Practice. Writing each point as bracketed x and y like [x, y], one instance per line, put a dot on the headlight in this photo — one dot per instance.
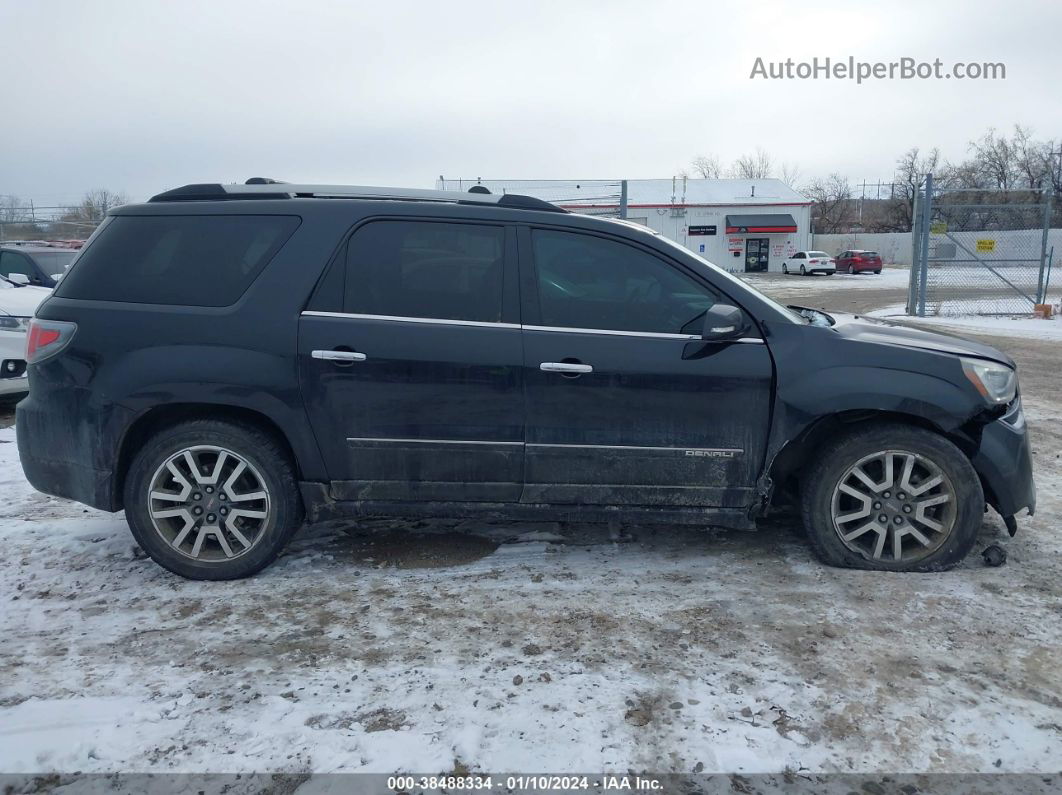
[9, 323]
[997, 383]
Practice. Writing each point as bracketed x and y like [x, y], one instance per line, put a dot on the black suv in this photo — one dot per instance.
[227, 362]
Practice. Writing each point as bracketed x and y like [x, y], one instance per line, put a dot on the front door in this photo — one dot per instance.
[756, 249]
[625, 403]
[410, 360]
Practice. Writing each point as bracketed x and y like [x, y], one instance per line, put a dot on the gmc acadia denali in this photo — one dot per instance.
[227, 362]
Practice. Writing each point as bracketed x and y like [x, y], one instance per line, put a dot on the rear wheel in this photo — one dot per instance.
[892, 497]
[212, 500]
[877, 272]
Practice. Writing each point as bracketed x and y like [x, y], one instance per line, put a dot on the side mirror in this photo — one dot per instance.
[723, 322]
[19, 278]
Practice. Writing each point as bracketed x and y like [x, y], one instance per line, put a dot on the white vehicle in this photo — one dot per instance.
[808, 262]
[18, 302]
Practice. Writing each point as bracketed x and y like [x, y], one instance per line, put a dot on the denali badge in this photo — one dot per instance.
[713, 453]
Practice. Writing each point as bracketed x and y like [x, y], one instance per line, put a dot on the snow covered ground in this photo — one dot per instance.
[433, 646]
[1009, 326]
[889, 278]
[512, 648]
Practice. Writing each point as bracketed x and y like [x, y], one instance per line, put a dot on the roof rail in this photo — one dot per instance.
[284, 190]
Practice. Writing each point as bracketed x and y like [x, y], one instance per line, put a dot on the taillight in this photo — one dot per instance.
[46, 338]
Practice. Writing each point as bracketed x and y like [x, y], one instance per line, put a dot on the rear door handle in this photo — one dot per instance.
[339, 356]
[565, 367]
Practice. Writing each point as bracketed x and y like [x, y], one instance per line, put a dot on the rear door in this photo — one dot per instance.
[410, 360]
[626, 404]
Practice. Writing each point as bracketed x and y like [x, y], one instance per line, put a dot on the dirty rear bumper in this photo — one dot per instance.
[1004, 462]
[66, 449]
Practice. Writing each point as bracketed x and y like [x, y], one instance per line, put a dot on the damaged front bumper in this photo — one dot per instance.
[1004, 463]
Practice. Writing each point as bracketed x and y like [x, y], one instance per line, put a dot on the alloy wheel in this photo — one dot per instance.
[209, 503]
[894, 505]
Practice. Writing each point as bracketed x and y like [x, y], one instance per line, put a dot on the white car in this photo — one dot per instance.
[808, 262]
[18, 302]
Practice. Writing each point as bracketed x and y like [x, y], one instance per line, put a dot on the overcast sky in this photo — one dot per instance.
[143, 96]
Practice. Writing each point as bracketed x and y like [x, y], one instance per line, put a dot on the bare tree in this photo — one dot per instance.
[707, 166]
[833, 208]
[752, 166]
[1032, 158]
[79, 221]
[911, 169]
[96, 203]
[12, 210]
[995, 161]
[789, 173]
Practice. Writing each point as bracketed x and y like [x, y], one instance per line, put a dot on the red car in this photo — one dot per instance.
[858, 261]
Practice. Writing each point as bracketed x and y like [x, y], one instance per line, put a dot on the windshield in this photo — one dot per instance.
[814, 254]
[740, 284]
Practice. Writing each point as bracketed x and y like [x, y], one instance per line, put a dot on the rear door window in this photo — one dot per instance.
[426, 269]
[186, 260]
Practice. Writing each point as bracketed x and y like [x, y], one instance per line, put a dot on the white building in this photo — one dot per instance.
[743, 225]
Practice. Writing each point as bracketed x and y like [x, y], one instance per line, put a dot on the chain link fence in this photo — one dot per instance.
[980, 252]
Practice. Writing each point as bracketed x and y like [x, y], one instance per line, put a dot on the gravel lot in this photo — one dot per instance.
[438, 647]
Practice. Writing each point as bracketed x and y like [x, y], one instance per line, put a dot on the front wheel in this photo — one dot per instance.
[785, 269]
[851, 270]
[892, 497]
[212, 500]
[802, 271]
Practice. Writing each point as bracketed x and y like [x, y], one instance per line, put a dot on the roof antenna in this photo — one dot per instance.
[478, 189]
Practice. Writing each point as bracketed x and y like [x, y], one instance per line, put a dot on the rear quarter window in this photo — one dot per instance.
[187, 260]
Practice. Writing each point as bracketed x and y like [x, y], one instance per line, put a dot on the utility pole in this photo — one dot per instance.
[623, 198]
[1058, 166]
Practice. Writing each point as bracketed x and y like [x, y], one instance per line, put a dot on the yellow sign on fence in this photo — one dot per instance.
[986, 245]
[938, 228]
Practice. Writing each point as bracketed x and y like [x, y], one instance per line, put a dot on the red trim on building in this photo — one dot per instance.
[753, 230]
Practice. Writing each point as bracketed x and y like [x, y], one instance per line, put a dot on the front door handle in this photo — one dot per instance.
[339, 356]
[565, 367]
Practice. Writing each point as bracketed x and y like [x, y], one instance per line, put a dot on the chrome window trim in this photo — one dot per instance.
[399, 319]
[553, 329]
[615, 332]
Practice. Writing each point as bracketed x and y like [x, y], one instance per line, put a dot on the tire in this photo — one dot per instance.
[802, 271]
[960, 515]
[257, 528]
[851, 270]
[877, 273]
[785, 269]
